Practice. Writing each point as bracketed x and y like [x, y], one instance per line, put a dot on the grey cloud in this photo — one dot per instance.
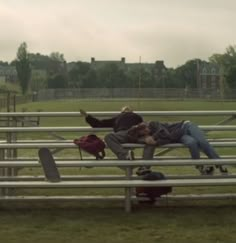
[172, 30]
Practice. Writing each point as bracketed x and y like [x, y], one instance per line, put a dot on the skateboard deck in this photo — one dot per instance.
[49, 166]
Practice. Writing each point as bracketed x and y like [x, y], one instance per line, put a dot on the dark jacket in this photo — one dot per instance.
[162, 133]
[123, 121]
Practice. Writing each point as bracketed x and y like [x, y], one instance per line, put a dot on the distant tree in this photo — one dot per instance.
[56, 56]
[23, 67]
[57, 71]
[57, 81]
[228, 62]
[78, 74]
[231, 77]
[111, 75]
[90, 79]
[57, 64]
[2, 63]
[39, 61]
[145, 78]
[38, 79]
[186, 75]
[133, 75]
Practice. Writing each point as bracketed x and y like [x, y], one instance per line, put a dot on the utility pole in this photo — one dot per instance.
[221, 82]
[198, 79]
[139, 81]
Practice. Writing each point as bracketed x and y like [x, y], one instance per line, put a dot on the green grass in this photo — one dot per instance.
[114, 105]
[180, 222]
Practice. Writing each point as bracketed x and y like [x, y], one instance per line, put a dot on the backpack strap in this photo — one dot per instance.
[80, 154]
[78, 146]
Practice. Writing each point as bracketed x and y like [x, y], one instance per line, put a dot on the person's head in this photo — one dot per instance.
[140, 130]
[126, 109]
[143, 129]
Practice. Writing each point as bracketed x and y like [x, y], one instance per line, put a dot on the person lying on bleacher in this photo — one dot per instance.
[120, 124]
[185, 132]
[123, 121]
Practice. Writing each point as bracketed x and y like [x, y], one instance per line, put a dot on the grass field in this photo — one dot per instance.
[182, 222]
[111, 225]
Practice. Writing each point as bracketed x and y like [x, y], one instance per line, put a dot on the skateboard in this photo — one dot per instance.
[49, 166]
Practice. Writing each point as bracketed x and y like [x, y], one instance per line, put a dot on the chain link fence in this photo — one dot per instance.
[117, 93]
[147, 93]
[8, 101]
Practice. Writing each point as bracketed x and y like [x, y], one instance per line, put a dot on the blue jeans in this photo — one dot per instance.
[195, 140]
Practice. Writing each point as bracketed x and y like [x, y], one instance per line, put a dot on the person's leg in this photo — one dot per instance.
[194, 131]
[114, 141]
[194, 150]
[192, 145]
[148, 153]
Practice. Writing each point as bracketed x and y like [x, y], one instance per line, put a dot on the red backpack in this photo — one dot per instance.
[92, 145]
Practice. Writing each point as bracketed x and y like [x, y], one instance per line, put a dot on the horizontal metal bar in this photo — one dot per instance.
[116, 197]
[119, 183]
[112, 113]
[87, 158]
[53, 129]
[69, 140]
[218, 127]
[127, 145]
[65, 177]
[108, 177]
[120, 163]
[90, 129]
[37, 145]
[179, 145]
[64, 198]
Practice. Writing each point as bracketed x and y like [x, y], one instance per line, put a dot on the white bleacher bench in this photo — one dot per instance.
[125, 180]
[128, 182]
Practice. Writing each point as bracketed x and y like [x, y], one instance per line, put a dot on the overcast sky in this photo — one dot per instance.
[171, 30]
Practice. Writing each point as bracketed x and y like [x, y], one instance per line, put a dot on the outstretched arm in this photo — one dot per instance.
[94, 122]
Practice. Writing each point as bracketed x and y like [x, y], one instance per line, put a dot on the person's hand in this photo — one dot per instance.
[149, 140]
[83, 113]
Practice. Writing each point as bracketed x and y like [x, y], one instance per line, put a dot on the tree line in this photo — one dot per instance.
[37, 71]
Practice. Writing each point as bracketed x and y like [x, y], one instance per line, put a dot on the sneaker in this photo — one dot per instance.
[130, 155]
[222, 169]
[141, 171]
[206, 170]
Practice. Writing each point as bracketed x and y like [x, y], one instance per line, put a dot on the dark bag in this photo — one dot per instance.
[92, 145]
[152, 192]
